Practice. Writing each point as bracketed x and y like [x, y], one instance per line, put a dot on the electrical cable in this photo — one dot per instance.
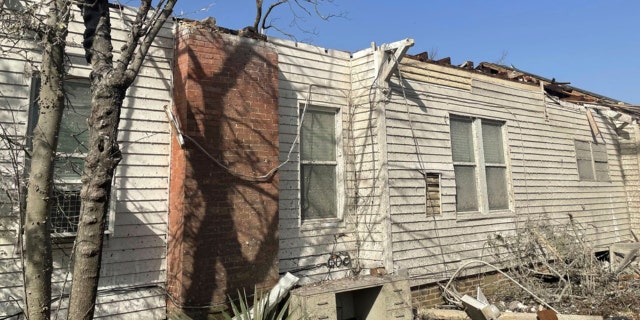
[421, 163]
[254, 178]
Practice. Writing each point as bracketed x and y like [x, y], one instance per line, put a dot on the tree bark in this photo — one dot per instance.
[99, 165]
[109, 85]
[256, 22]
[37, 231]
[102, 158]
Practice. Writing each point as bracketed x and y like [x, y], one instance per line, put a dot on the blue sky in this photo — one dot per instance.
[592, 44]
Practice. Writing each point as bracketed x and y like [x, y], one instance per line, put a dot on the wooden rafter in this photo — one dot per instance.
[387, 57]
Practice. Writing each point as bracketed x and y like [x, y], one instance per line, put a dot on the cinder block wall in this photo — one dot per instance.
[223, 229]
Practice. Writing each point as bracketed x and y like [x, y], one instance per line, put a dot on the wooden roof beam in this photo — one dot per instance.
[388, 56]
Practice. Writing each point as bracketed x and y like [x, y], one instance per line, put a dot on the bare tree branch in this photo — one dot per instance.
[266, 15]
[256, 23]
[156, 26]
[137, 30]
[301, 11]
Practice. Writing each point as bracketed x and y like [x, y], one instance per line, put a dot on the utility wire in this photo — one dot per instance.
[255, 178]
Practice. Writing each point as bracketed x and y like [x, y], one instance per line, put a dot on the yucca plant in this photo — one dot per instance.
[260, 310]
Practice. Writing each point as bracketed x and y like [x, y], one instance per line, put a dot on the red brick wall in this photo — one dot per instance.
[430, 295]
[223, 228]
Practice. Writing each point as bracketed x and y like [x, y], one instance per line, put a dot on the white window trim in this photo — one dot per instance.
[480, 165]
[337, 221]
[111, 213]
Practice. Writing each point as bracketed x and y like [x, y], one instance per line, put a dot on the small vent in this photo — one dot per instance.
[432, 193]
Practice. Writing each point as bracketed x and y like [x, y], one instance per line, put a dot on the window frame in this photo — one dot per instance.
[480, 164]
[63, 184]
[336, 220]
[592, 161]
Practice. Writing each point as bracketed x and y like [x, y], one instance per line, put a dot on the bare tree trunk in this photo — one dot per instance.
[102, 158]
[109, 85]
[256, 23]
[37, 237]
[99, 165]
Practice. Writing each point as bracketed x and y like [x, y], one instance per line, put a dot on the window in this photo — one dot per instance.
[592, 161]
[69, 161]
[480, 169]
[320, 181]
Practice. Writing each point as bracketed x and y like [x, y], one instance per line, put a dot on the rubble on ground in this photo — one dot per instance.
[550, 266]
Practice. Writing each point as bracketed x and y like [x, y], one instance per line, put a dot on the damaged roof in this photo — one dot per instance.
[559, 90]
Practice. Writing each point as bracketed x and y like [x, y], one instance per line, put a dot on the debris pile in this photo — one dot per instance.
[554, 269]
[554, 261]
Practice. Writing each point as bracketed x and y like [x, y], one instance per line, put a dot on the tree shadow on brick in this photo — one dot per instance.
[223, 227]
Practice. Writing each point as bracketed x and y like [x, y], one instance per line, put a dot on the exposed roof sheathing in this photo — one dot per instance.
[561, 90]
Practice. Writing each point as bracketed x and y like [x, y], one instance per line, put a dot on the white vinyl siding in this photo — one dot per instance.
[320, 78]
[540, 156]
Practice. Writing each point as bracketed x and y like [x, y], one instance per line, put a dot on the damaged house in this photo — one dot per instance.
[375, 173]
[343, 167]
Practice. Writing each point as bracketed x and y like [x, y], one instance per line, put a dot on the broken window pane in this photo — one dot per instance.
[74, 131]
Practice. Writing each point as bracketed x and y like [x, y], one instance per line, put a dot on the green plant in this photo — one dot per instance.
[259, 310]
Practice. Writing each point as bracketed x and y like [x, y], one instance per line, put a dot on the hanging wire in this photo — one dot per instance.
[421, 163]
[255, 178]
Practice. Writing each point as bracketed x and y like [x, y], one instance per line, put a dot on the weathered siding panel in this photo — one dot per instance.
[367, 174]
[541, 160]
[134, 253]
[630, 164]
[325, 76]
